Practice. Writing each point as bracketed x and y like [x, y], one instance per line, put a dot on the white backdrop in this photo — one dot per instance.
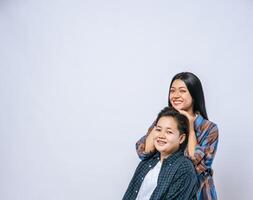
[81, 81]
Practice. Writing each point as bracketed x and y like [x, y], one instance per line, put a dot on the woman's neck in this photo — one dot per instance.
[191, 112]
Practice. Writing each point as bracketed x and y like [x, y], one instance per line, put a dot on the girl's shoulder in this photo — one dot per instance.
[204, 124]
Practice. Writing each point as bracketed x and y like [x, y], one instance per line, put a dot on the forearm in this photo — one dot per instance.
[145, 145]
[192, 141]
[149, 144]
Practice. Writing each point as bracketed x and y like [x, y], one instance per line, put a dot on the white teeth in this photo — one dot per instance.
[177, 103]
[161, 142]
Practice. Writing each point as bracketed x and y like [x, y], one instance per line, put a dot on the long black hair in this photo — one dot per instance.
[194, 86]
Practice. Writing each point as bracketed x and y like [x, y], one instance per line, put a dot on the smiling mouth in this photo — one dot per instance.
[177, 102]
[160, 142]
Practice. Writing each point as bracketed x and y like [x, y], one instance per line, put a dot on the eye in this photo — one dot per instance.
[169, 132]
[172, 90]
[158, 129]
[183, 91]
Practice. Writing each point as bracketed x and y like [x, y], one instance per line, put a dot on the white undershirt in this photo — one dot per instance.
[149, 183]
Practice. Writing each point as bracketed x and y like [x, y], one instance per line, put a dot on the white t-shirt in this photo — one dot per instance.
[149, 183]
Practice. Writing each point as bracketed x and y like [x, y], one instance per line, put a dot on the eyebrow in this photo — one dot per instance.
[179, 87]
[165, 127]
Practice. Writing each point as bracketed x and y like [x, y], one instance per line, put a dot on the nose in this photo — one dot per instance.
[161, 134]
[176, 94]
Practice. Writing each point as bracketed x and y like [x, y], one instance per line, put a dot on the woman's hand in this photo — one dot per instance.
[149, 145]
[191, 119]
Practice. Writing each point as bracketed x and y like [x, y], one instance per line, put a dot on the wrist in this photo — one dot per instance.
[191, 132]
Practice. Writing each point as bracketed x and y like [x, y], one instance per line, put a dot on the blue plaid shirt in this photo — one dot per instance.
[177, 178]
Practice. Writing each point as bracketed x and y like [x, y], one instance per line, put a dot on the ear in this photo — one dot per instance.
[182, 138]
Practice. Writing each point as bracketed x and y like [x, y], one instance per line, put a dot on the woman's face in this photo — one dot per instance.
[167, 138]
[180, 97]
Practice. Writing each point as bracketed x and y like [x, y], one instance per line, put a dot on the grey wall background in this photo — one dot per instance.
[81, 81]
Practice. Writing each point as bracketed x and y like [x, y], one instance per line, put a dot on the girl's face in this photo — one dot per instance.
[180, 97]
[167, 138]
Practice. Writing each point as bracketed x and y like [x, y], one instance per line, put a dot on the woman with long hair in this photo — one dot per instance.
[186, 95]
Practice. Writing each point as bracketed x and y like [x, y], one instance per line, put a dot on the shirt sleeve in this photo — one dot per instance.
[140, 145]
[206, 149]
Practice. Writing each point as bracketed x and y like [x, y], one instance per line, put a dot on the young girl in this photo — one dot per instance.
[186, 95]
[168, 174]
